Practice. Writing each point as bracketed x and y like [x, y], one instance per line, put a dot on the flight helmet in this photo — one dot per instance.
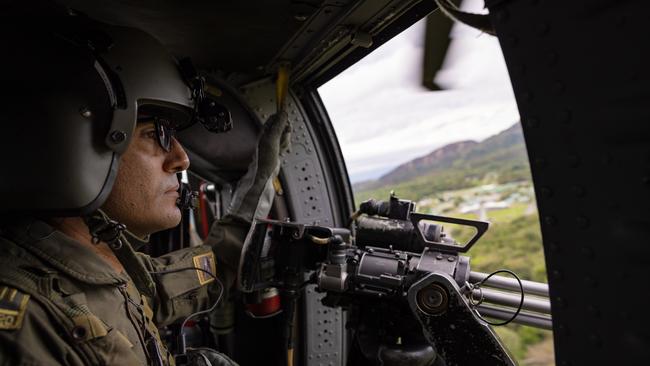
[72, 91]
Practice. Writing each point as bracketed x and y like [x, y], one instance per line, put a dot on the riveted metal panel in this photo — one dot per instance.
[580, 74]
[304, 179]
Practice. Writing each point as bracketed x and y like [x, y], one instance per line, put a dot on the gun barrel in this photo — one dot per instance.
[524, 318]
[512, 300]
[530, 287]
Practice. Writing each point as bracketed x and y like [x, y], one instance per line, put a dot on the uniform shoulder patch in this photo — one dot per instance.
[206, 262]
[13, 303]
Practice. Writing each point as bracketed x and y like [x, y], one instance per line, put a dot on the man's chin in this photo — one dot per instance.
[174, 217]
[167, 220]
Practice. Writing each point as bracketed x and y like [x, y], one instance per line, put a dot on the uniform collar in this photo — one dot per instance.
[64, 253]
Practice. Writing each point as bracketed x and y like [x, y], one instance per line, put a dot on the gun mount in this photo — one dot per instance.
[409, 289]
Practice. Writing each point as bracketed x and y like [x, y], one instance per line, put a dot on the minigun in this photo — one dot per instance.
[411, 296]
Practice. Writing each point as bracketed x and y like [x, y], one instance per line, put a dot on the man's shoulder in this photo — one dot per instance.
[28, 334]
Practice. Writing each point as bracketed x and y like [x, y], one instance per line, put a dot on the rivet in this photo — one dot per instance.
[451, 259]
[439, 256]
[582, 222]
[558, 87]
[550, 220]
[118, 136]
[85, 112]
[574, 161]
[560, 302]
[554, 247]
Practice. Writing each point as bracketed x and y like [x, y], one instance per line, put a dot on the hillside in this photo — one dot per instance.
[500, 158]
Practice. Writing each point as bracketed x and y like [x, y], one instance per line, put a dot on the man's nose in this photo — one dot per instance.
[177, 159]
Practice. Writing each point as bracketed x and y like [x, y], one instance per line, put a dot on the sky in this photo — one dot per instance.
[383, 117]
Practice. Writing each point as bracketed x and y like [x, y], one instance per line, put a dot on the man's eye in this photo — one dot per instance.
[150, 134]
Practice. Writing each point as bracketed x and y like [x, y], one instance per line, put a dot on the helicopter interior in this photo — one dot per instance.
[579, 74]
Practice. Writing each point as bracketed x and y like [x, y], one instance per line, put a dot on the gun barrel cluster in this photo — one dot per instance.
[501, 297]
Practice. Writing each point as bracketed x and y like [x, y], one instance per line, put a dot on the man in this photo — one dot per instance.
[72, 289]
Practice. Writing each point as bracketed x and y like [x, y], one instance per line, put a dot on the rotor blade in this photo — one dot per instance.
[436, 43]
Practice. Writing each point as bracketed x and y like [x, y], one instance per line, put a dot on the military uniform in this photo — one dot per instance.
[62, 304]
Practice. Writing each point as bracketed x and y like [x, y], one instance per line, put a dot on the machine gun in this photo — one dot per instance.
[412, 297]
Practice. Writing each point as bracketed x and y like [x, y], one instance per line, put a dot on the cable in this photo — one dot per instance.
[182, 346]
[481, 282]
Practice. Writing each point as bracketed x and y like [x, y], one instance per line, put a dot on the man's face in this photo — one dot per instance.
[145, 190]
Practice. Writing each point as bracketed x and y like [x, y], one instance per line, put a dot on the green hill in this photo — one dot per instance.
[498, 159]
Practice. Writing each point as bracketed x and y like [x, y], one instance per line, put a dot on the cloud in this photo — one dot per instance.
[383, 117]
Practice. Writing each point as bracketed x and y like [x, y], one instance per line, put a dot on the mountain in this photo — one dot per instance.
[441, 158]
[501, 157]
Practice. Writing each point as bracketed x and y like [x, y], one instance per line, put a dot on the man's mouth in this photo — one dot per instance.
[173, 189]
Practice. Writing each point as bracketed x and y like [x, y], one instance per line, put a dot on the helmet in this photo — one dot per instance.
[72, 89]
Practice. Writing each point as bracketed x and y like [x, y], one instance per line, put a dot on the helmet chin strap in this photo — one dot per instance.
[103, 229]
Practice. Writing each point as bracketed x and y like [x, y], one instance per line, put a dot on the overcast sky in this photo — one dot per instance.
[383, 117]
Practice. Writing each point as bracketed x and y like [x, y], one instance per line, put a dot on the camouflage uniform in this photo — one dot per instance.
[62, 304]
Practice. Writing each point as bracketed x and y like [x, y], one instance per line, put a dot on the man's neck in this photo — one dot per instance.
[76, 228]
